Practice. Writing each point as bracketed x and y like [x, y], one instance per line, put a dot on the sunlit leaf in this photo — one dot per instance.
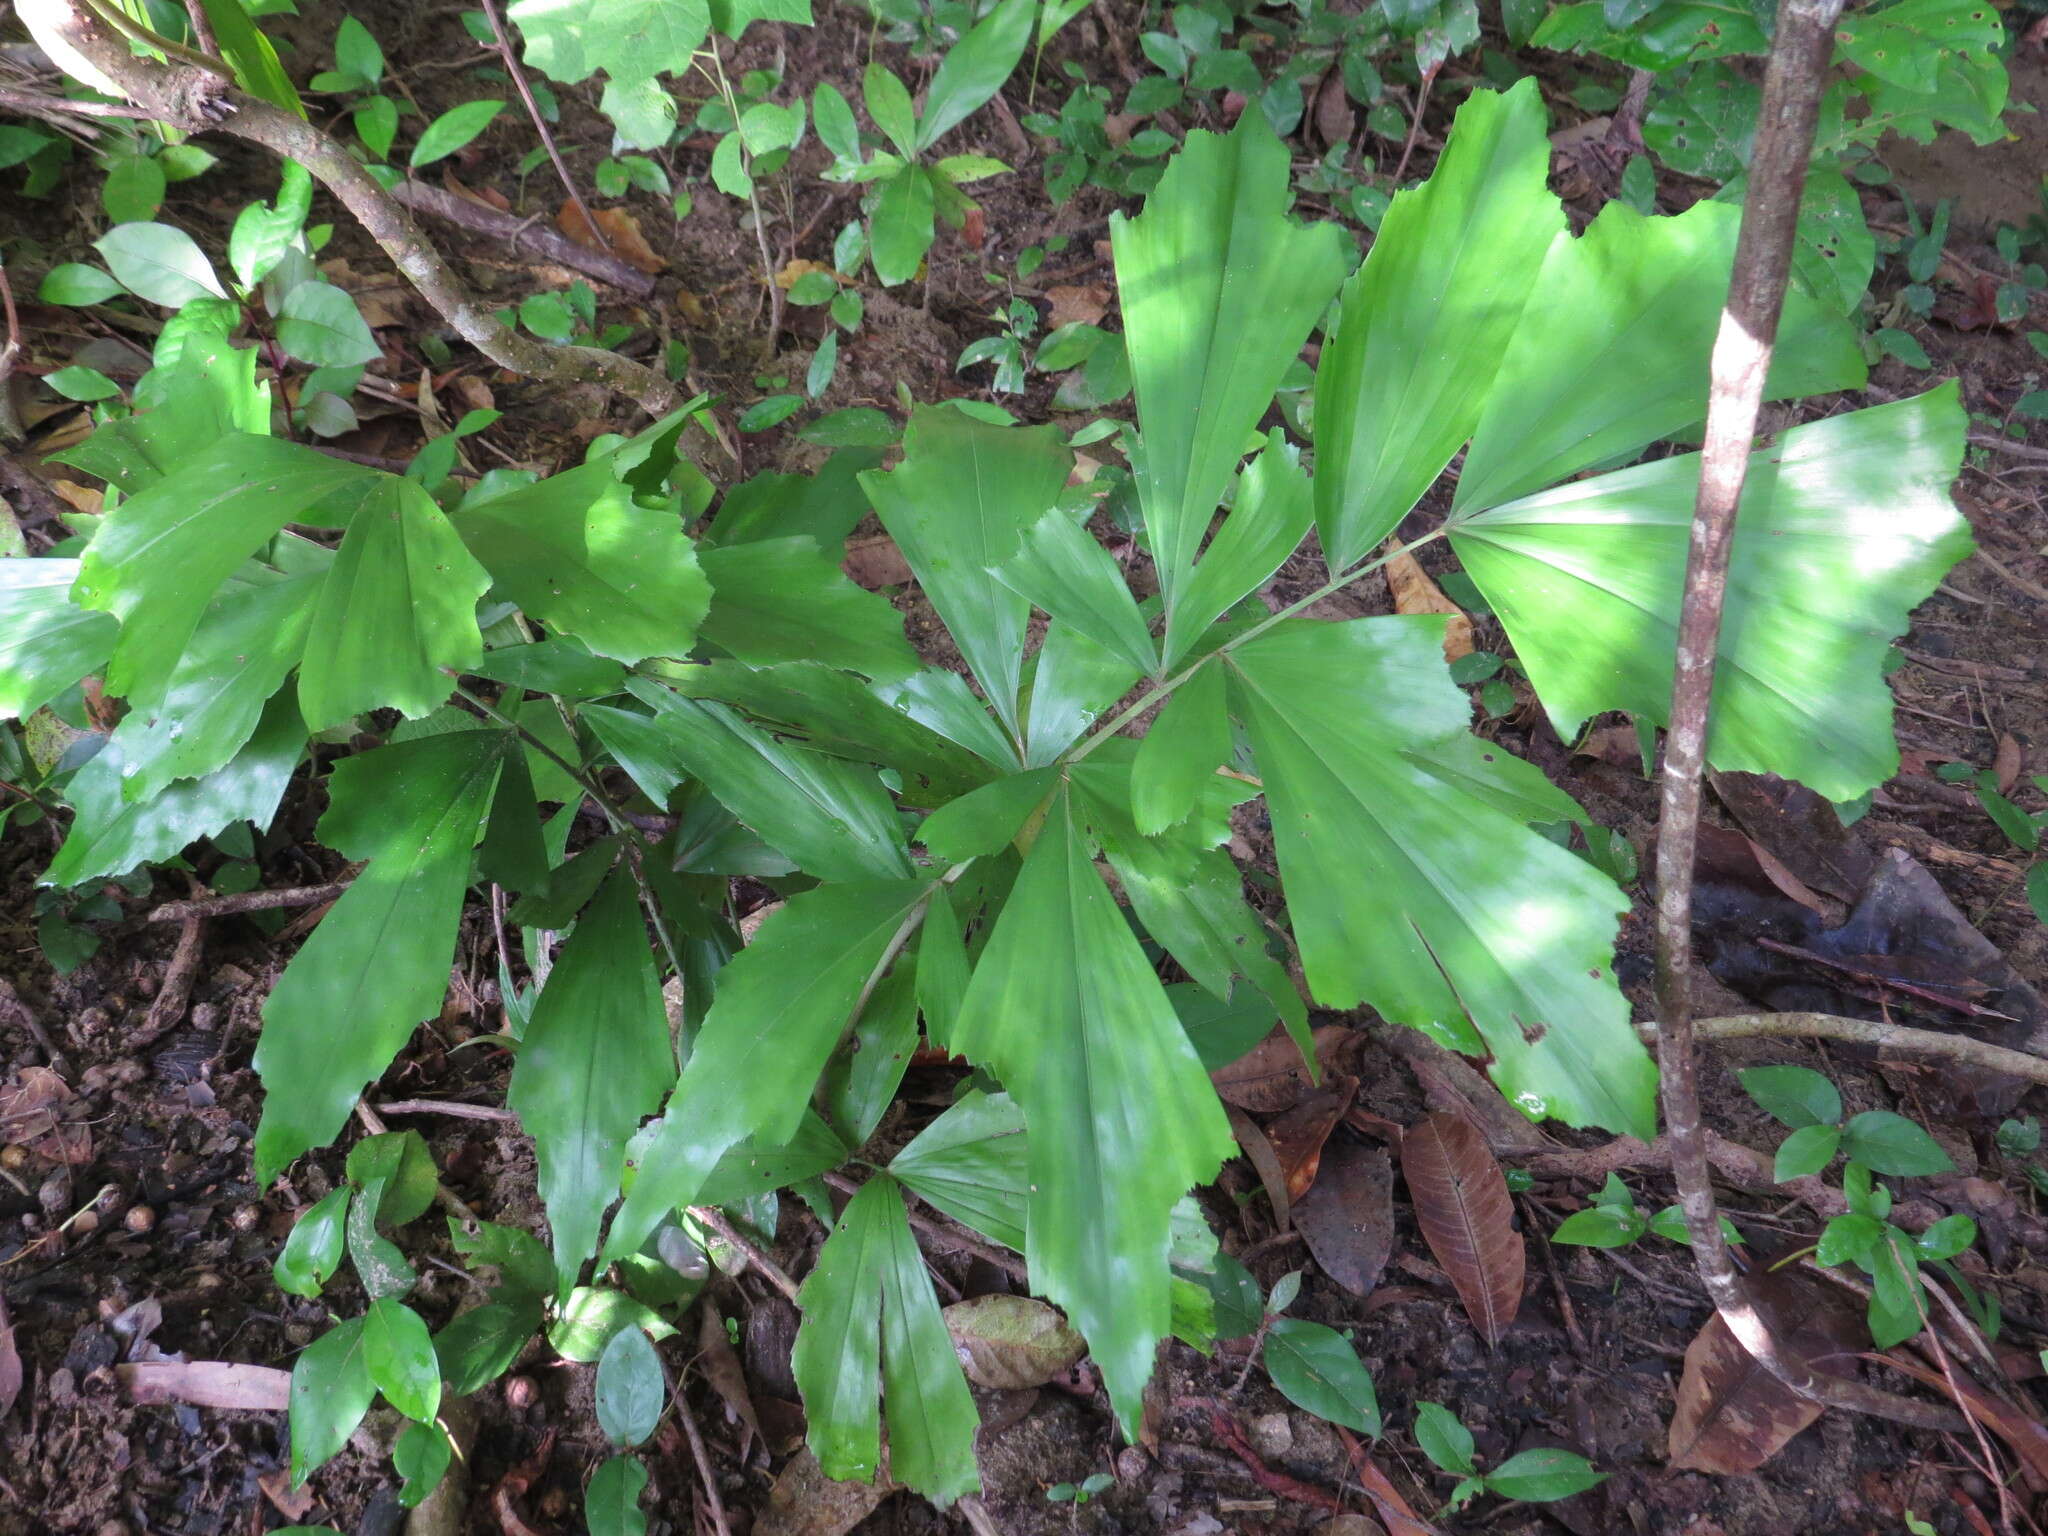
[47, 642]
[778, 600]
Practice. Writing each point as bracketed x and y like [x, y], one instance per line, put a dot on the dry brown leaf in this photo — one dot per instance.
[1298, 1135]
[805, 1502]
[1414, 592]
[1347, 1216]
[207, 1384]
[803, 266]
[473, 392]
[1333, 114]
[293, 1503]
[1466, 1214]
[1011, 1343]
[79, 497]
[487, 197]
[381, 300]
[720, 1364]
[875, 562]
[2007, 764]
[35, 1112]
[1076, 304]
[10, 1363]
[621, 233]
[2026, 1436]
[1271, 1076]
[1732, 1414]
[1271, 1175]
[1399, 1515]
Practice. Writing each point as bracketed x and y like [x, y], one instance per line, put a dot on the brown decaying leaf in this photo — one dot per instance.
[10, 1363]
[1399, 1515]
[621, 232]
[2007, 764]
[1010, 1343]
[207, 1384]
[805, 1502]
[1076, 304]
[1414, 592]
[1256, 1147]
[875, 562]
[721, 1367]
[293, 1503]
[2027, 1437]
[34, 1113]
[1298, 1135]
[1333, 114]
[485, 197]
[1466, 1214]
[1271, 1076]
[1347, 1216]
[1732, 1414]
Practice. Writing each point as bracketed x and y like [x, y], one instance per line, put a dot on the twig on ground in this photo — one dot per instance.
[195, 101]
[541, 238]
[247, 901]
[707, 1476]
[1830, 1026]
[167, 1008]
[1564, 1301]
[454, 1108]
[714, 1220]
[547, 139]
[1741, 361]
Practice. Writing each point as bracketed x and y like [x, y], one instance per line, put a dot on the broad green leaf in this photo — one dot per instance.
[379, 1263]
[1219, 290]
[576, 553]
[312, 1252]
[868, 1312]
[453, 129]
[900, 230]
[263, 236]
[111, 834]
[985, 821]
[831, 712]
[320, 324]
[250, 55]
[975, 68]
[75, 283]
[751, 1168]
[783, 1002]
[134, 189]
[1067, 1011]
[1668, 34]
[379, 959]
[943, 968]
[585, 1323]
[630, 1389]
[1061, 568]
[401, 1162]
[941, 699]
[1807, 1150]
[1074, 682]
[958, 506]
[400, 1355]
[560, 666]
[1795, 1097]
[594, 1062]
[973, 1164]
[832, 116]
[1443, 1438]
[1188, 741]
[888, 103]
[1318, 1369]
[1887, 1143]
[1906, 44]
[420, 1456]
[397, 612]
[831, 816]
[1613, 356]
[514, 850]
[47, 642]
[159, 557]
[1222, 1029]
[159, 263]
[783, 600]
[1273, 511]
[1538, 1476]
[861, 1080]
[1188, 894]
[184, 406]
[1424, 900]
[522, 1264]
[826, 505]
[733, 17]
[1845, 525]
[480, 1345]
[238, 658]
[611, 1504]
[331, 1391]
[1601, 1226]
[1457, 257]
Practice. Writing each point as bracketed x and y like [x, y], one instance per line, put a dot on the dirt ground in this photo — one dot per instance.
[175, 1252]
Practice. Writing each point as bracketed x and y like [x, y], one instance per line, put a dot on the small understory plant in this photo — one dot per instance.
[617, 634]
[1538, 1476]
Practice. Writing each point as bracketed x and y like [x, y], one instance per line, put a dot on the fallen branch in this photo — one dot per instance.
[195, 100]
[247, 901]
[1741, 362]
[1897, 1037]
[535, 235]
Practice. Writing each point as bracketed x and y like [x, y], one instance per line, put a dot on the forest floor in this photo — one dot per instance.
[177, 1257]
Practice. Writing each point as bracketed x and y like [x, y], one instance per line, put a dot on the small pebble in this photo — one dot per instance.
[140, 1218]
[54, 1195]
[520, 1392]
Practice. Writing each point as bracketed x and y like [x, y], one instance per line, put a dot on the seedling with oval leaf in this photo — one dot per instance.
[910, 190]
[1538, 1476]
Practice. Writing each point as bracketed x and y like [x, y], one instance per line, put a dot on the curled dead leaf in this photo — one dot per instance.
[1298, 1135]
[1467, 1216]
[1076, 304]
[1252, 1139]
[1271, 1076]
[1414, 592]
[1009, 1343]
[621, 234]
[786, 279]
[36, 1111]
